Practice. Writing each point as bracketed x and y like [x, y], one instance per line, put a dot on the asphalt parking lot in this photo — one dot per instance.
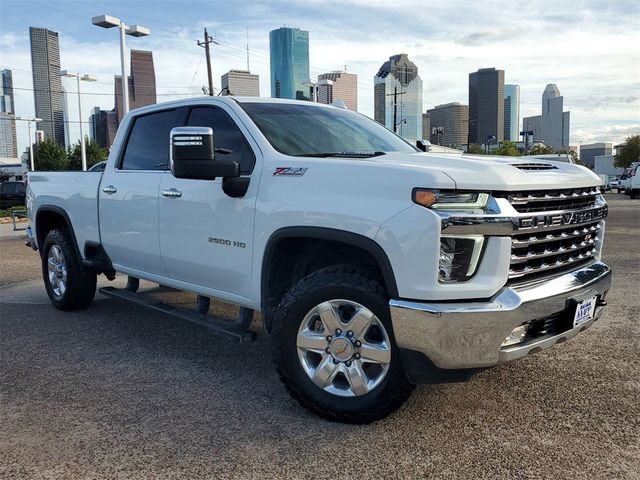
[120, 392]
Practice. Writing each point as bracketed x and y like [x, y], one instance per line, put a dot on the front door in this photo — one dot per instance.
[205, 235]
[129, 195]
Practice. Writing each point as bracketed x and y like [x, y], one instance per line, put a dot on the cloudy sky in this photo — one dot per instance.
[590, 49]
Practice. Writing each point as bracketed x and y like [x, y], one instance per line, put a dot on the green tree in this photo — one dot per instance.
[508, 149]
[475, 149]
[95, 154]
[49, 155]
[541, 149]
[629, 153]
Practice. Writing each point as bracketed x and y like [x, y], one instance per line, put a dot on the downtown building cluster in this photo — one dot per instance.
[491, 116]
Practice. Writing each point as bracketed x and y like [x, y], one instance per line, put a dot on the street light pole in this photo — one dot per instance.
[107, 21]
[86, 78]
[83, 152]
[123, 68]
[29, 120]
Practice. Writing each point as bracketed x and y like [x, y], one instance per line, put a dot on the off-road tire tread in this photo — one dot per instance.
[81, 286]
[347, 275]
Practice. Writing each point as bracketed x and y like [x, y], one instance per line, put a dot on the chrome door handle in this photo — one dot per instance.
[172, 193]
[109, 189]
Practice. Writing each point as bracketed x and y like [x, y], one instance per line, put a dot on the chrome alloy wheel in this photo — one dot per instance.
[343, 348]
[57, 271]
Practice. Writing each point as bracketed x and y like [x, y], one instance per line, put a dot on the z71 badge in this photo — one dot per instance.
[289, 171]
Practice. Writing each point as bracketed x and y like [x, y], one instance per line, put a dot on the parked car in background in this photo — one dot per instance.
[614, 183]
[633, 181]
[626, 178]
[12, 194]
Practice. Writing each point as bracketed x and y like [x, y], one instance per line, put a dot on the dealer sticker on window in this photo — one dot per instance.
[584, 311]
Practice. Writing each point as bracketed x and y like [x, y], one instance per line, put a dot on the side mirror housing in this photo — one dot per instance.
[192, 155]
[423, 145]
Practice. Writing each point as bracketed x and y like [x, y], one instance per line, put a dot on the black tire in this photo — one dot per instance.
[337, 282]
[80, 287]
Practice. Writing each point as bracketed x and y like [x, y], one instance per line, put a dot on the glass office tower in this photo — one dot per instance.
[289, 48]
[512, 112]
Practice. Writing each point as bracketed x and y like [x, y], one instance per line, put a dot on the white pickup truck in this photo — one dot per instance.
[375, 266]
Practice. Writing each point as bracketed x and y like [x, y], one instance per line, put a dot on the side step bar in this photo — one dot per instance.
[216, 325]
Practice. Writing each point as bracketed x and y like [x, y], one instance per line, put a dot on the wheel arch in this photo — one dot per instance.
[299, 236]
[49, 217]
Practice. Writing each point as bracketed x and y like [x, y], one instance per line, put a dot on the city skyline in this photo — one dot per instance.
[604, 107]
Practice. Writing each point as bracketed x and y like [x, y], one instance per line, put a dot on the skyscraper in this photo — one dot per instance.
[8, 144]
[103, 126]
[399, 75]
[289, 57]
[142, 83]
[555, 122]
[47, 86]
[339, 86]
[552, 127]
[512, 112]
[240, 83]
[453, 118]
[533, 124]
[486, 105]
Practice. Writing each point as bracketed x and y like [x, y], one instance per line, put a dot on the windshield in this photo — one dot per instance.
[308, 130]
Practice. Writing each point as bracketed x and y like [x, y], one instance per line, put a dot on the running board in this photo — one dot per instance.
[215, 324]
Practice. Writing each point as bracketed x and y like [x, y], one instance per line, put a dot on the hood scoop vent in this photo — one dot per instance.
[534, 166]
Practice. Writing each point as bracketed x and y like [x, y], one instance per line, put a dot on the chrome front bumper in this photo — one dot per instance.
[470, 334]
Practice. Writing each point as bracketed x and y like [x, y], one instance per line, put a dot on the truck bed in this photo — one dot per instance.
[76, 193]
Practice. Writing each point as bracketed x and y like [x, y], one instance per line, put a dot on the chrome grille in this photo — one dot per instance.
[552, 200]
[536, 253]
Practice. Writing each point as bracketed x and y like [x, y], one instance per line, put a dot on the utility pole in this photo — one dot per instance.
[395, 107]
[205, 43]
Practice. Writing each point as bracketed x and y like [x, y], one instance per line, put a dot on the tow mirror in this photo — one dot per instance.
[192, 155]
[423, 145]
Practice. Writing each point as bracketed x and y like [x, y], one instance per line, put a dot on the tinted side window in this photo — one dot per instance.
[226, 134]
[20, 188]
[148, 144]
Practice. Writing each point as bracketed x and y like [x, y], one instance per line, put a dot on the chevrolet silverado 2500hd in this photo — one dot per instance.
[375, 266]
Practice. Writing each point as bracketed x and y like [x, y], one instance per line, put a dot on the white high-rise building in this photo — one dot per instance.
[398, 80]
[240, 83]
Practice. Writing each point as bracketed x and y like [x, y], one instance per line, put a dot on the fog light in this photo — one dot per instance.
[516, 336]
[459, 257]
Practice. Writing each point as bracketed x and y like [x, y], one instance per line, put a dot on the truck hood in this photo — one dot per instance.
[493, 173]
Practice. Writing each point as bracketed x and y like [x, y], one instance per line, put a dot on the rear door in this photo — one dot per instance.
[205, 235]
[128, 196]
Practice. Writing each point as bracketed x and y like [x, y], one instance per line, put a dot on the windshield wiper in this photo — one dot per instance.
[355, 154]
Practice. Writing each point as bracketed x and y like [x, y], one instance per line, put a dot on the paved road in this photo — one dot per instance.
[119, 392]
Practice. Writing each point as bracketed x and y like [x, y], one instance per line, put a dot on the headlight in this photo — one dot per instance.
[450, 199]
[459, 257]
